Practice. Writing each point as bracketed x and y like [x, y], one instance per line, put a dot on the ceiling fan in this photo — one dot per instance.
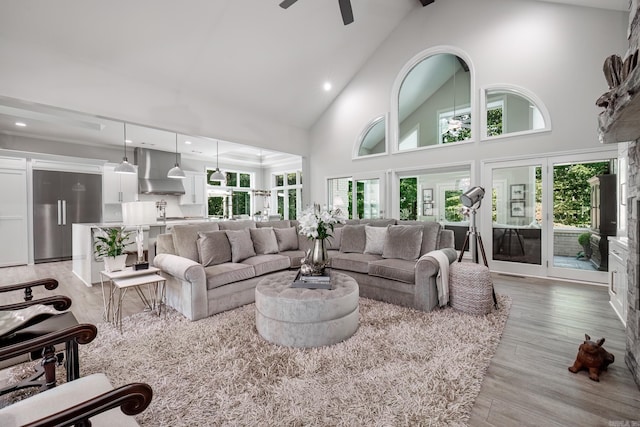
[345, 9]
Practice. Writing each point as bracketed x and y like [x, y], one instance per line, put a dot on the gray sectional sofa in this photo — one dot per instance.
[214, 266]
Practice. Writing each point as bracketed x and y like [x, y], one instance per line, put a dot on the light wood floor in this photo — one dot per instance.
[527, 383]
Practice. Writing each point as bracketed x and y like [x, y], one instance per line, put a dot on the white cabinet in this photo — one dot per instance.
[118, 187]
[194, 188]
[13, 212]
[618, 249]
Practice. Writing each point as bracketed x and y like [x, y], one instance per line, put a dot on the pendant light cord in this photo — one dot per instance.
[124, 144]
[176, 149]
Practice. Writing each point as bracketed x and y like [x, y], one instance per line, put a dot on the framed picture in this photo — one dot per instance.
[517, 208]
[427, 209]
[517, 192]
[427, 195]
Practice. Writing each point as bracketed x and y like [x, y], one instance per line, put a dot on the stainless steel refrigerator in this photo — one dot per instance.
[59, 200]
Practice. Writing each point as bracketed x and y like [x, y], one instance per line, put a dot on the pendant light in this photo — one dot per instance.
[176, 172]
[454, 123]
[125, 166]
[217, 175]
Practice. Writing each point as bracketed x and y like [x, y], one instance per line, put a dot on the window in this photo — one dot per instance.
[288, 193]
[231, 198]
[409, 198]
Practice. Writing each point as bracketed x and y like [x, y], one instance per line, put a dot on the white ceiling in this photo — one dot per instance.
[250, 54]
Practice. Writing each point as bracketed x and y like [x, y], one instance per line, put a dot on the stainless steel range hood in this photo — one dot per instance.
[153, 166]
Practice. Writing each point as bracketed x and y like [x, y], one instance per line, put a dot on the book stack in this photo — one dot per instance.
[312, 282]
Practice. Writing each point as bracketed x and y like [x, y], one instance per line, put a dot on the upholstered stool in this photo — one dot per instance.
[470, 288]
[299, 317]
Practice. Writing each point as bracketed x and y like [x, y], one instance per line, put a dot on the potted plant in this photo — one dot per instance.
[584, 240]
[110, 243]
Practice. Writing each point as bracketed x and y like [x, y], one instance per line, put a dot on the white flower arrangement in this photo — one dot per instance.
[318, 224]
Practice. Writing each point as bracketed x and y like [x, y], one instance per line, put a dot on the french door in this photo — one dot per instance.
[534, 210]
[367, 201]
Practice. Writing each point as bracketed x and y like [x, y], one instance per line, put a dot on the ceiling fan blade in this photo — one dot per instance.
[347, 12]
[286, 3]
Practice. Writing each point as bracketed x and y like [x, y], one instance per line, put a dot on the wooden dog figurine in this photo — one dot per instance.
[592, 357]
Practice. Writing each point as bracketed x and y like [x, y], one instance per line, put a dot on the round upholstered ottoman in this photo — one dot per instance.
[470, 288]
[299, 317]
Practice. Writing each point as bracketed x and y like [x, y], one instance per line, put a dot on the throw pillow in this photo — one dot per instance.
[353, 239]
[241, 244]
[403, 242]
[333, 242]
[213, 248]
[375, 239]
[264, 240]
[287, 238]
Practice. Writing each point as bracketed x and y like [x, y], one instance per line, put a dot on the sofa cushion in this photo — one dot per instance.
[375, 239]
[264, 264]
[186, 235]
[358, 263]
[295, 257]
[353, 239]
[403, 242]
[283, 223]
[394, 269]
[223, 274]
[264, 240]
[430, 234]
[241, 244]
[333, 242]
[287, 238]
[213, 247]
[237, 225]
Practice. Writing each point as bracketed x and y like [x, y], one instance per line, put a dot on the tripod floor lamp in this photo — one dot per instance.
[472, 198]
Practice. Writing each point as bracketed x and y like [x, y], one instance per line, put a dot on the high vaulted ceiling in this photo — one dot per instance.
[249, 54]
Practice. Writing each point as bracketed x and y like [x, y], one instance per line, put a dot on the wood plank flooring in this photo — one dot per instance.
[527, 383]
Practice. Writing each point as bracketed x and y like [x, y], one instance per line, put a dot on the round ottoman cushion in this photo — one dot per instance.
[470, 288]
[298, 317]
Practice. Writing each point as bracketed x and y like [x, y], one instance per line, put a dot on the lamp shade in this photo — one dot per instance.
[472, 196]
[125, 167]
[217, 176]
[176, 172]
[138, 213]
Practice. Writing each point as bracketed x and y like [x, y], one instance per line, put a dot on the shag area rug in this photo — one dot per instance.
[402, 367]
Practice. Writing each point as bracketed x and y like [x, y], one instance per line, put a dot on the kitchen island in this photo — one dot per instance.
[86, 266]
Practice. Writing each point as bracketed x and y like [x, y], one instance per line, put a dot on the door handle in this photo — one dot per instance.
[59, 212]
[64, 212]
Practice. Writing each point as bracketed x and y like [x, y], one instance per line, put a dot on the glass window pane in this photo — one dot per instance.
[279, 180]
[216, 206]
[409, 198]
[280, 196]
[245, 180]
[291, 178]
[340, 194]
[209, 173]
[241, 201]
[232, 179]
[292, 203]
[516, 213]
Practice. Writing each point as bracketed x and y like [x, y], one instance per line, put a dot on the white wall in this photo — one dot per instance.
[32, 74]
[556, 51]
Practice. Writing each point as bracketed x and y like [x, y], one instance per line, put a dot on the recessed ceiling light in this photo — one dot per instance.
[128, 141]
[188, 142]
[326, 86]
[21, 124]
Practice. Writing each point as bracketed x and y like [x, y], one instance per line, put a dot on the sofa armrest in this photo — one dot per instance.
[427, 267]
[186, 285]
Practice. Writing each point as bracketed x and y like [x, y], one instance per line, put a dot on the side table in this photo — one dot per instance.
[140, 280]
